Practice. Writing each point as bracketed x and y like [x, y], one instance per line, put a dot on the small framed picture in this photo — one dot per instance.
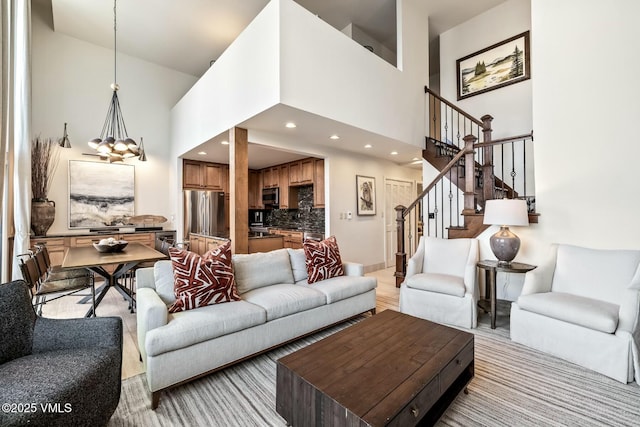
[496, 66]
[366, 193]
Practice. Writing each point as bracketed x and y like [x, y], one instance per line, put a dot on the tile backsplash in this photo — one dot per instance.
[306, 217]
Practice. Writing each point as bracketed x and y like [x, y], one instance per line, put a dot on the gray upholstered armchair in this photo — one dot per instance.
[56, 371]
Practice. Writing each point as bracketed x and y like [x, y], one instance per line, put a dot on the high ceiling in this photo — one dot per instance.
[187, 35]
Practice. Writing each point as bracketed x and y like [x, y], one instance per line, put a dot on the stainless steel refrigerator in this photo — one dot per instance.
[204, 213]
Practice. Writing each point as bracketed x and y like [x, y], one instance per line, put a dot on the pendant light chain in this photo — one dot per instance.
[115, 45]
[114, 143]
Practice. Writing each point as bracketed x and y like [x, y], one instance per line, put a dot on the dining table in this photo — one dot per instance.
[90, 258]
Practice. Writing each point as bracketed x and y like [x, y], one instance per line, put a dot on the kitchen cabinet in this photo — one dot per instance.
[203, 175]
[288, 177]
[211, 243]
[271, 177]
[318, 183]
[147, 239]
[201, 244]
[55, 246]
[301, 172]
[255, 190]
[284, 187]
[225, 178]
[196, 244]
[75, 242]
[292, 238]
[265, 244]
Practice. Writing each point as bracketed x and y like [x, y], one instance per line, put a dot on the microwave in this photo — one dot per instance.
[271, 197]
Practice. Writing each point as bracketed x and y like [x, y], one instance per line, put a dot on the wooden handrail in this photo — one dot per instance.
[453, 107]
[503, 140]
[437, 179]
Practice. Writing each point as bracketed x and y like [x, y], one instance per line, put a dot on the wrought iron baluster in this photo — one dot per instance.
[450, 198]
[428, 221]
[513, 170]
[458, 132]
[436, 210]
[432, 132]
[524, 167]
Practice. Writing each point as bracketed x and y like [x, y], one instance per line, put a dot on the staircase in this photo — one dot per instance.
[472, 168]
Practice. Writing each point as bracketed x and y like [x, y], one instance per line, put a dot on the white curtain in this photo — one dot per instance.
[16, 131]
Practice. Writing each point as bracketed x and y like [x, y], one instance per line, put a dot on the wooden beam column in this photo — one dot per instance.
[239, 189]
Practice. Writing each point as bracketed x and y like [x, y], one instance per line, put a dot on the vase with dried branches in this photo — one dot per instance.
[45, 156]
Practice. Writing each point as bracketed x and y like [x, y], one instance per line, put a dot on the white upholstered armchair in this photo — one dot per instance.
[440, 284]
[582, 305]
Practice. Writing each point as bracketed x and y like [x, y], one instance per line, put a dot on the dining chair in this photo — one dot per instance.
[45, 287]
[54, 272]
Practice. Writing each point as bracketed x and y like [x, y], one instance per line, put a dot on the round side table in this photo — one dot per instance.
[491, 268]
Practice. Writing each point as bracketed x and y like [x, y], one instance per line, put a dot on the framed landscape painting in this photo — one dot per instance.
[366, 193]
[100, 194]
[496, 66]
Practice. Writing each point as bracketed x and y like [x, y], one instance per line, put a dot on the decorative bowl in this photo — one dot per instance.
[116, 246]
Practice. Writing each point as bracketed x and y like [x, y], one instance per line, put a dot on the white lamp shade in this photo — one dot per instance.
[506, 212]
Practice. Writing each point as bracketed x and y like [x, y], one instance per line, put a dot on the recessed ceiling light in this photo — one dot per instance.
[290, 125]
[225, 143]
[202, 153]
[394, 153]
[368, 146]
[334, 136]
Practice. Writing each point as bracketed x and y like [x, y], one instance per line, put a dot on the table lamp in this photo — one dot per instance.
[505, 212]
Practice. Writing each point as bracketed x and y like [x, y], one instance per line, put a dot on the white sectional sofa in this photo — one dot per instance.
[277, 306]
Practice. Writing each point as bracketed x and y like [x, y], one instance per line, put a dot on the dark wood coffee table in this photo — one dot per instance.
[389, 369]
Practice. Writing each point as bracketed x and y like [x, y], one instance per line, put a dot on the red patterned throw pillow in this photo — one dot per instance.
[201, 281]
[322, 259]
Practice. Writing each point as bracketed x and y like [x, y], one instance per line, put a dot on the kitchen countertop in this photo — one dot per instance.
[252, 235]
[263, 235]
[208, 236]
[86, 232]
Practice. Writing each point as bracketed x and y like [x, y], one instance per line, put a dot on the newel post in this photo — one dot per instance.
[469, 176]
[488, 181]
[401, 256]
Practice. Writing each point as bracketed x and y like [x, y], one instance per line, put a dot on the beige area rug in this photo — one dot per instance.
[513, 386]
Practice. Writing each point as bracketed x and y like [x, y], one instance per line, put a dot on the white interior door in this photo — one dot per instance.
[397, 192]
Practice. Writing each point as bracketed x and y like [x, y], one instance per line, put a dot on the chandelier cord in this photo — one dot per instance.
[114, 143]
[115, 45]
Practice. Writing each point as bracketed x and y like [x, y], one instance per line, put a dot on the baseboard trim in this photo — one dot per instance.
[373, 267]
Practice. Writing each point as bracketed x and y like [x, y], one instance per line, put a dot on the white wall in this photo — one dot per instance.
[243, 82]
[359, 35]
[582, 120]
[287, 55]
[71, 83]
[510, 106]
[585, 108]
